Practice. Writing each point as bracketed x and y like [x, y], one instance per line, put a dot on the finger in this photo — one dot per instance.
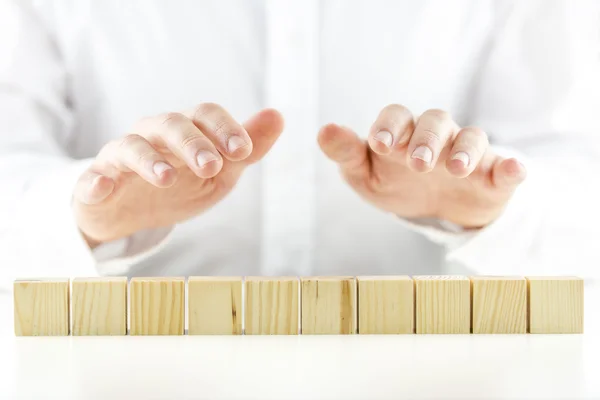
[466, 153]
[93, 188]
[230, 138]
[183, 138]
[433, 130]
[344, 147]
[391, 129]
[135, 153]
[264, 129]
[507, 174]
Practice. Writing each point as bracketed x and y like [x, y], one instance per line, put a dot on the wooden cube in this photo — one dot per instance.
[215, 305]
[157, 306]
[272, 306]
[41, 307]
[385, 304]
[555, 304]
[443, 304]
[329, 305]
[499, 304]
[99, 306]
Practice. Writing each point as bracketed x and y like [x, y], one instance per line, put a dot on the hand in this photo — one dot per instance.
[431, 168]
[172, 167]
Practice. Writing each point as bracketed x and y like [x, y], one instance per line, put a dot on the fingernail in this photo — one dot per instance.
[423, 153]
[234, 143]
[384, 137]
[161, 167]
[204, 157]
[462, 157]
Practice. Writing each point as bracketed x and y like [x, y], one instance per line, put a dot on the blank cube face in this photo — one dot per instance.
[385, 305]
[499, 304]
[215, 305]
[272, 306]
[329, 305]
[555, 305]
[99, 306]
[443, 304]
[157, 306]
[41, 307]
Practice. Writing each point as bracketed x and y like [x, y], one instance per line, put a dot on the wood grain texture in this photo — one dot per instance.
[499, 304]
[272, 306]
[215, 305]
[385, 304]
[157, 306]
[41, 307]
[555, 304]
[99, 306]
[329, 305]
[442, 304]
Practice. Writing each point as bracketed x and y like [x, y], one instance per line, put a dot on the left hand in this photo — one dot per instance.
[428, 168]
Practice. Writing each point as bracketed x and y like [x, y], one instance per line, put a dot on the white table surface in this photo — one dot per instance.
[303, 367]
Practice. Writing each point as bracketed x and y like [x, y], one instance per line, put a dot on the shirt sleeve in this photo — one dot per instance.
[537, 97]
[38, 233]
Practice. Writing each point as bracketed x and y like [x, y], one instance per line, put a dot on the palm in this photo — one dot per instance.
[395, 188]
[135, 204]
[390, 174]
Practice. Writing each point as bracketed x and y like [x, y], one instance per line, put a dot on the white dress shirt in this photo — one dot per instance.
[75, 74]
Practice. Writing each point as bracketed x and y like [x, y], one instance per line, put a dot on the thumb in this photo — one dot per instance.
[343, 146]
[264, 129]
[507, 174]
[93, 188]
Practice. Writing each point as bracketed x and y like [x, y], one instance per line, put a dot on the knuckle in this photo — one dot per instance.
[191, 140]
[429, 136]
[473, 131]
[396, 109]
[144, 156]
[204, 109]
[438, 115]
[224, 127]
[474, 137]
[130, 140]
[133, 148]
[476, 133]
[172, 118]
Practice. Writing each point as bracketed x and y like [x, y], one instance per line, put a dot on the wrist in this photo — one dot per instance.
[92, 243]
[474, 219]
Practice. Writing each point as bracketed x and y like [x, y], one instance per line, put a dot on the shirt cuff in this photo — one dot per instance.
[438, 231]
[115, 258]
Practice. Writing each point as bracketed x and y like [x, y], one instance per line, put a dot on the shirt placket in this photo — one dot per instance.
[288, 180]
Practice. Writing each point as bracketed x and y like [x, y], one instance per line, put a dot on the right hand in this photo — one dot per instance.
[171, 168]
